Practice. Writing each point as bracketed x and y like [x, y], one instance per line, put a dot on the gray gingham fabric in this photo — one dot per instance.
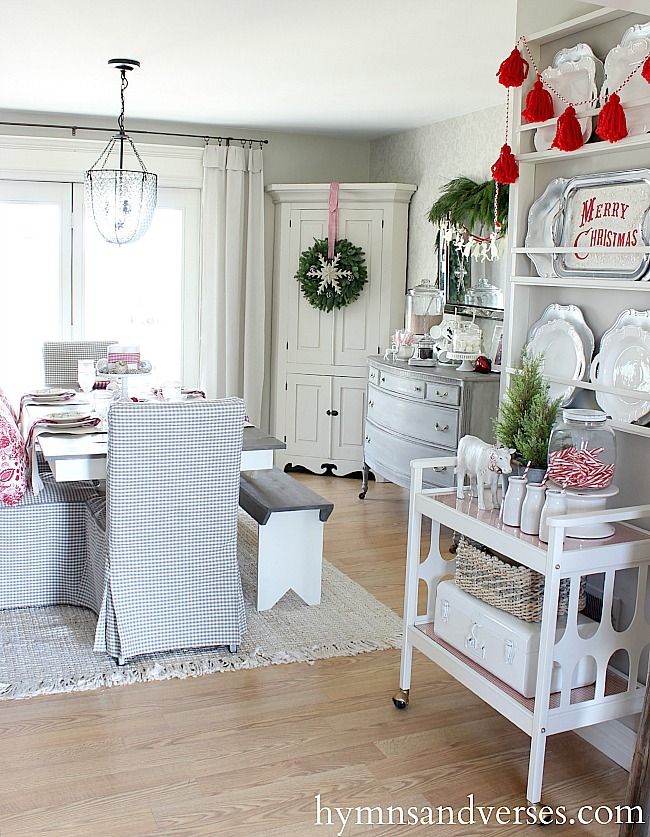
[169, 546]
[60, 359]
[43, 547]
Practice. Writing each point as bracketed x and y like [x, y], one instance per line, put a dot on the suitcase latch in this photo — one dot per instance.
[473, 644]
[510, 652]
[444, 612]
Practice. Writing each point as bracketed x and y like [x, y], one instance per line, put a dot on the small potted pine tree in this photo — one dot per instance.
[526, 417]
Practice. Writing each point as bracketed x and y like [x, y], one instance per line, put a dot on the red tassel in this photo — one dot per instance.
[539, 103]
[513, 70]
[645, 72]
[505, 170]
[612, 124]
[568, 136]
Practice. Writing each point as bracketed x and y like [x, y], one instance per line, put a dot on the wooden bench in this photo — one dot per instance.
[290, 552]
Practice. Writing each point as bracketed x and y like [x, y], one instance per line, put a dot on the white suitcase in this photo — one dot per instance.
[505, 645]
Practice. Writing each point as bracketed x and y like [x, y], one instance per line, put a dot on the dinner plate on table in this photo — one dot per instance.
[69, 417]
[51, 394]
[564, 356]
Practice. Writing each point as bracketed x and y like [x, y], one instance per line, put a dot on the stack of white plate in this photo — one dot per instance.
[623, 362]
[567, 343]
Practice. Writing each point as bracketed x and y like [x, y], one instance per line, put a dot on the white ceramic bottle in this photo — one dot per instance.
[513, 500]
[555, 504]
[531, 508]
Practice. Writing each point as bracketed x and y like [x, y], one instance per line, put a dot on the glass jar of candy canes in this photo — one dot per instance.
[582, 450]
[581, 460]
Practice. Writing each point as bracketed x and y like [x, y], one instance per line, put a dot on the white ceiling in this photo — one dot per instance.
[361, 68]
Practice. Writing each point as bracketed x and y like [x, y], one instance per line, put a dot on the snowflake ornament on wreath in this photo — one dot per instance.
[332, 283]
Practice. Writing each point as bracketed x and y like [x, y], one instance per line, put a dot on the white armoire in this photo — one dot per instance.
[319, 359]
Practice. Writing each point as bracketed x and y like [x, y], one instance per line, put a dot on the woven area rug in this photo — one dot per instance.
[49, 649]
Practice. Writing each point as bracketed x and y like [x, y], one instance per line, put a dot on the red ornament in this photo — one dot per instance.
[612, 124]
[539, 103]
[568, 136]
[645, 72]
[505, 169]
[483, 364]
[513, 70]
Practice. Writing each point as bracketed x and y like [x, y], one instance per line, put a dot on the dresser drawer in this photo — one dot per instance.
[391, 454]
[419, 420]
[442, 393]
[406, 386]
[373, 375]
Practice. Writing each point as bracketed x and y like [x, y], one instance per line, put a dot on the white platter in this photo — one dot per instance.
[623, 362]
[573, 315]
[564, 356]
[619, 63]
[575, 75]
[541, 221]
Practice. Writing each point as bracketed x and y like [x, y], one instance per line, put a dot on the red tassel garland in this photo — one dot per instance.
[568, 136]
[513, 70]
[645, 72]
[505, 170]
[539, 103]
[612, 124]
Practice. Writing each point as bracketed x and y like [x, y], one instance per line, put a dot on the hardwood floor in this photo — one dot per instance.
[247, 753]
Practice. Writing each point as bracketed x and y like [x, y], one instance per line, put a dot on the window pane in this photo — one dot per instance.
[30, 290]
[133, 293]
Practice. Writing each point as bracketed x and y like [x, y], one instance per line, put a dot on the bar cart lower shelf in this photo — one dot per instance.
[614, 694]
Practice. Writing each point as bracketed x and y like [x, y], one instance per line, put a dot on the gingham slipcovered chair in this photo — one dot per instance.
[60, 359]
[43, 551]
[170, 539]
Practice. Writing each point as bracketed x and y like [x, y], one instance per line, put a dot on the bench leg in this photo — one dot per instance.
[290, 557]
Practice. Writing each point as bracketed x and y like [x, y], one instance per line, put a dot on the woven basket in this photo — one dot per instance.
[510, 587]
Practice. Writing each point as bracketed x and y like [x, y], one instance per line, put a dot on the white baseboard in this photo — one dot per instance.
[613, 739]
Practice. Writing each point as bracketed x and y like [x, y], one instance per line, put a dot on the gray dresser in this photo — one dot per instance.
[422, 411]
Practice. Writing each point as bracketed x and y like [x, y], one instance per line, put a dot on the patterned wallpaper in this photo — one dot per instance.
[429, 157]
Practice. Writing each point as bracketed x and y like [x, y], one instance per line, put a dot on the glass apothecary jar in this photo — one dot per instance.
[582, 450]
[425, 305]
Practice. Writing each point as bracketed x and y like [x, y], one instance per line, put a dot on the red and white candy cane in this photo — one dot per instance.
[573, 468]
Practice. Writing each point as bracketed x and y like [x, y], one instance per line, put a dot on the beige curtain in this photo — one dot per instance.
[232, 275]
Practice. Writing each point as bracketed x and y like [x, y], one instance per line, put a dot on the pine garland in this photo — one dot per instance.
[527, 413]
[465, 203]
[347, 270]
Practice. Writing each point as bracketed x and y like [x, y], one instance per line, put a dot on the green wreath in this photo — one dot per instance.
[329, 284]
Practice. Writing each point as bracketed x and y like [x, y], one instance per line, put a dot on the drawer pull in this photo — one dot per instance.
[441, 429]
[441, 394]
[332, 412]
[367, 438]
[416, 388]
[382, 379]
[439, 469]
[371, 403]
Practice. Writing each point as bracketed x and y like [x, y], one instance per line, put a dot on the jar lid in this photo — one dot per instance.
[583, 415]
[426, 288]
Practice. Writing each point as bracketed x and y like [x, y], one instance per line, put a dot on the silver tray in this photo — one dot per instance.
[601, 211]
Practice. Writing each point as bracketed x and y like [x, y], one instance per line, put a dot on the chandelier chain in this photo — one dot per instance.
[123, 85]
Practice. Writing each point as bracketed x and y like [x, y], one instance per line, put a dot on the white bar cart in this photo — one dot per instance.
[613, 695]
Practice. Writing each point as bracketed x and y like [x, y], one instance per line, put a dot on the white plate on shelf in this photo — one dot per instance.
[575, 75]
[564, 356]
[619, 63]
[541, 220]
[623, 362]
[572, 314]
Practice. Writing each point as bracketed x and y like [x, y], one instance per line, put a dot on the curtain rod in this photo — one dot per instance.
[74, 128]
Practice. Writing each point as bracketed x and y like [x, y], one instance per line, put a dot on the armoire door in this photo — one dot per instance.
[349, 400]
[345, 336]
[307, 425]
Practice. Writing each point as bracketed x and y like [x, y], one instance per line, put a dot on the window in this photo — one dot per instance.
[57, 282]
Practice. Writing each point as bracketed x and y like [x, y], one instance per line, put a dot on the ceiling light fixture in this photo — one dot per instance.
[122, 201]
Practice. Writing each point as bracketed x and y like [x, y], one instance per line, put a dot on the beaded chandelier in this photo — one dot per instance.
[122, 201]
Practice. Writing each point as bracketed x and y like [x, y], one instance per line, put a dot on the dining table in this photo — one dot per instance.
[83, 457]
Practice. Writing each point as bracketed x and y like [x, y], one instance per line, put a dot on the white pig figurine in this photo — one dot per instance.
[483, 464]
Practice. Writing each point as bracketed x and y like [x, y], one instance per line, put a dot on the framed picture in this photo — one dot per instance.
[496, 350]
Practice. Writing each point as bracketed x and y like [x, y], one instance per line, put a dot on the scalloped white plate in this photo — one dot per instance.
[623, 362]
[564, 355]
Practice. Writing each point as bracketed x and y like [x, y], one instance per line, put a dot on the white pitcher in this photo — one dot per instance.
[513, 500]
[531, 508]
[555, 504]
